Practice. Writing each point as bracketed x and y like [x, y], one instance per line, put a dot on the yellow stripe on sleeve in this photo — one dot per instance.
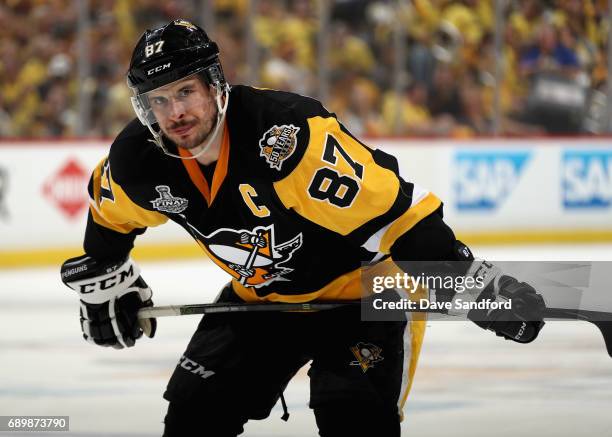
[407, 220]
[120, 213]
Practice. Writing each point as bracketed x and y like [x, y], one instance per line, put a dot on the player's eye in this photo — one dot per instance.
[158, 101]
[185, 92]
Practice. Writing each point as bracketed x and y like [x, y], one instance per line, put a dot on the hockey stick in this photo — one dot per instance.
[211, 308]
[603, 320]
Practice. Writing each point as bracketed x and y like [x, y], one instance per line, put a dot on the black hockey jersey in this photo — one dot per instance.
[295, 207]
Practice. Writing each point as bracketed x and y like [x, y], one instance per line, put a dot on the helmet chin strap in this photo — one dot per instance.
[203, 148]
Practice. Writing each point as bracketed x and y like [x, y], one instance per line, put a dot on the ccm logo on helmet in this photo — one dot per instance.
[108, 282]
[158, 68]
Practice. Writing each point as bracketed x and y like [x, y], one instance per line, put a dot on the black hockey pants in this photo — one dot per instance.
[236, 366]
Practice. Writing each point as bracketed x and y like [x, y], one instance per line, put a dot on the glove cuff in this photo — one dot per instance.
[488, 272]
[115, 281]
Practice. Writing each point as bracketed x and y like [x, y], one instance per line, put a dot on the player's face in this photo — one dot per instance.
[185, 111]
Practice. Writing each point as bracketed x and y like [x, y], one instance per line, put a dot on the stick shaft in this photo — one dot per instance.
[210, 308]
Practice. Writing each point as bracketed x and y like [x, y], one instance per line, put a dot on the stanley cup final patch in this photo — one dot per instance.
[166, 202]
[278, 143]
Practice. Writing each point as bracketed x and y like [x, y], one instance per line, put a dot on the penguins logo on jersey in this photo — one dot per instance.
[166, 202]
[251, 257]
[366, 355]
[278, 143]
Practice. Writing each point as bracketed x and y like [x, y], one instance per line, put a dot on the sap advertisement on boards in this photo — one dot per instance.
[587, 179]
[528, 186]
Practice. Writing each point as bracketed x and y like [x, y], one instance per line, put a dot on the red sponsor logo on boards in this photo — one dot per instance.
[67, 188]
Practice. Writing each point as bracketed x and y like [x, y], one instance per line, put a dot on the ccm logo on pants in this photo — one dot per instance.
[194, 367]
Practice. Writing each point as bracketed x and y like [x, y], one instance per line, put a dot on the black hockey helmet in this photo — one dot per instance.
[172, 52]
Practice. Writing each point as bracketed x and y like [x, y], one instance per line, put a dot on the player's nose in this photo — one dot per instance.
[176, 109]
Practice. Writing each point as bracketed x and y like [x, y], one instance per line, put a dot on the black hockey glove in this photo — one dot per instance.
[523, 322]
[111, 294]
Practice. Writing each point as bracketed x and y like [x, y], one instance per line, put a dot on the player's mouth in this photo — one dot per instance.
[182, 131]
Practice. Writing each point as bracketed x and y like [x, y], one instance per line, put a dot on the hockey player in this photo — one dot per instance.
[283, 198]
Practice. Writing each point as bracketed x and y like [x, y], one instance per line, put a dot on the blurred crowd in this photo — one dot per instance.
[411, 67]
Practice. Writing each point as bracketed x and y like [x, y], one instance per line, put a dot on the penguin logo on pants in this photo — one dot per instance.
[366, 354]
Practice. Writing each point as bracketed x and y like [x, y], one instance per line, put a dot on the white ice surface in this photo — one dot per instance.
[469, 382]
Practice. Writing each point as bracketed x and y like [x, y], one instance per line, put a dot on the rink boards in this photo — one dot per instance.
[494, 191]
